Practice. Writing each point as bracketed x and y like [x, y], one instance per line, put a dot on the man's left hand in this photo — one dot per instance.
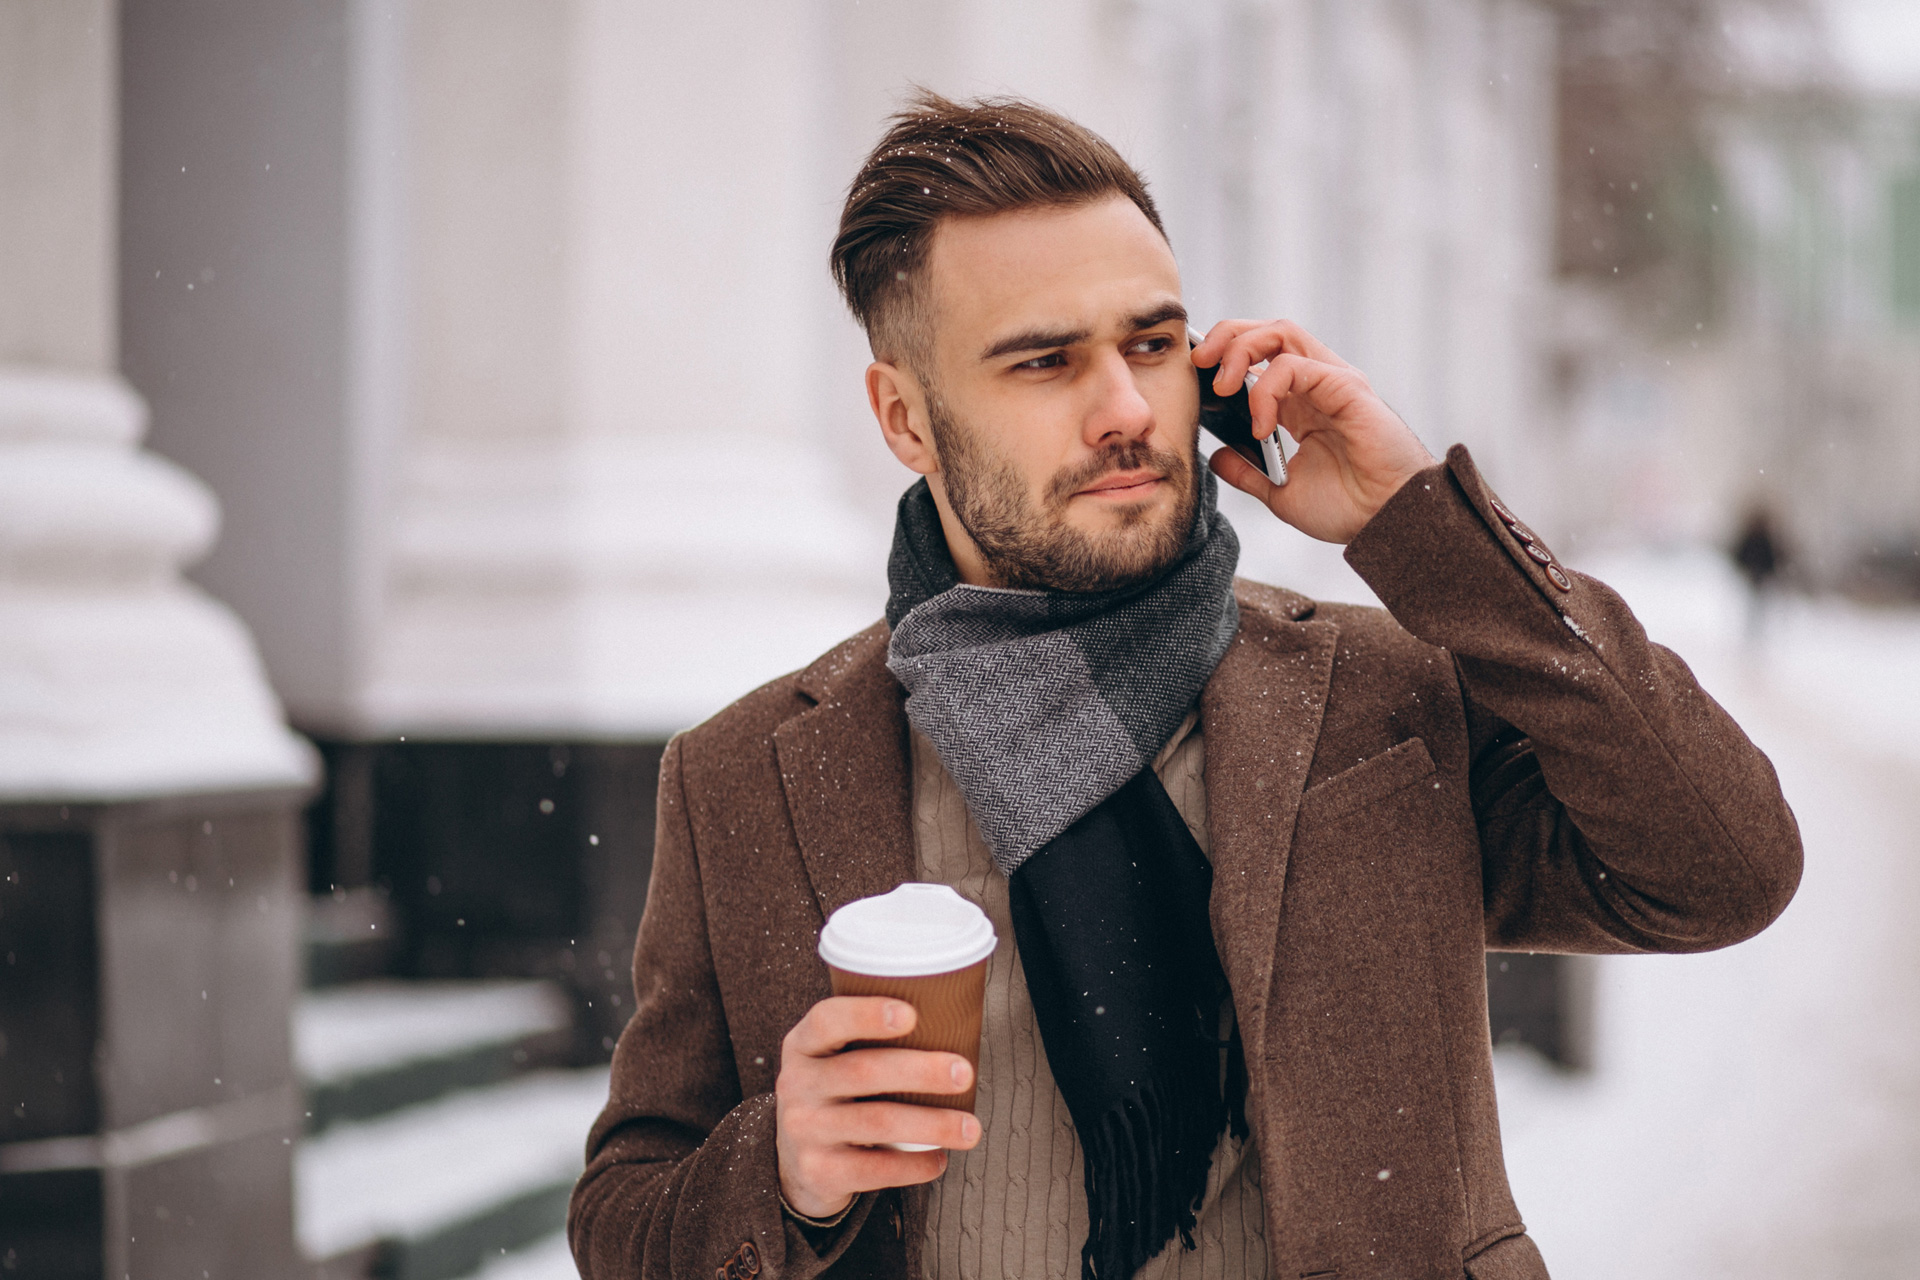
[1354, 453]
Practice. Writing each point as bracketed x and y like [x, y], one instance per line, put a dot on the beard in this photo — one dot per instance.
[1030, 545]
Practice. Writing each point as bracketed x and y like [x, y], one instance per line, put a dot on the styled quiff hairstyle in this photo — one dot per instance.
[945, 159]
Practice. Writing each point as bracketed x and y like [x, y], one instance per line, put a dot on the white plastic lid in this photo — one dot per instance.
[917, 929]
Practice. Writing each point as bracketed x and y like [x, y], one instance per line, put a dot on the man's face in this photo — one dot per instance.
[1062, 403]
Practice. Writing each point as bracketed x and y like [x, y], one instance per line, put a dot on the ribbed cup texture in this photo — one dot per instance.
[949, 1005]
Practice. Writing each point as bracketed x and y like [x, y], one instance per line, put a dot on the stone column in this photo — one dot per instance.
[149, 843]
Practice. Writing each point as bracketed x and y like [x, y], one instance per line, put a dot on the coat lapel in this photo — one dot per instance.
[845, 766]
[1261, 714]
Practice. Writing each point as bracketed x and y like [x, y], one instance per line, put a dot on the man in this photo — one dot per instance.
[1244, 852]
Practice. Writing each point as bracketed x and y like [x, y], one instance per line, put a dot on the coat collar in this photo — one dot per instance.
[846, 767]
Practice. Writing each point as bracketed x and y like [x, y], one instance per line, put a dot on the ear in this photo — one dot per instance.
[899, 405]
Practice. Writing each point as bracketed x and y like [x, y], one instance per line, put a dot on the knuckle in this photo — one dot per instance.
[864, 1072]
[822, 1133]
[789, 1086]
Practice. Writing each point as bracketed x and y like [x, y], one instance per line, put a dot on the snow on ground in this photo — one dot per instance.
[1755, 1113]
[546, 1259]
[339, 1032]
[415, 1171]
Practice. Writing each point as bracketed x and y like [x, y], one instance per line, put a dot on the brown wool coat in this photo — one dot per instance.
[1495, 763]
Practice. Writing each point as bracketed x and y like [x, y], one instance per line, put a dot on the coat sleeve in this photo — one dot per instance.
[682, 1175]
[1620, 808]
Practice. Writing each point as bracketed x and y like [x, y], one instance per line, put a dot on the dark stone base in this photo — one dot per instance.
[53, 1225]
[498, 859]
[149, 1107]
[49, 985]
[223, 1210]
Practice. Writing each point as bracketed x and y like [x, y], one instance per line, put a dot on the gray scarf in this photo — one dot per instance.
[1042, 704]
[1048, 707]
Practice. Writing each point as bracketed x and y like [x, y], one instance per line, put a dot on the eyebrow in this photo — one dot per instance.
[1157, 316]
[1040, 339]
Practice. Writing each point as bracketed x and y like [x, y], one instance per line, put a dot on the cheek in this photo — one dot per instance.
[1033, 435]
[1174, 393]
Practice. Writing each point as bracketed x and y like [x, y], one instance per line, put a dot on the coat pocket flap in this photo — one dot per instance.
[1375, 777]
[1514, 1258]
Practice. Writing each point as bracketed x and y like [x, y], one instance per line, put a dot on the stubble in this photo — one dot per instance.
[1031, 546]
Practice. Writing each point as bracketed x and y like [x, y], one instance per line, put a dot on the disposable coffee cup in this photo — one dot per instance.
[928, 946]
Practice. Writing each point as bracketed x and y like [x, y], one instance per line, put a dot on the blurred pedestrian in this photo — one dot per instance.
[1761, 558]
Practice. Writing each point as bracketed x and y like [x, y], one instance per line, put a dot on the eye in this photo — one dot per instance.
[1151, 345]
[1052, 360]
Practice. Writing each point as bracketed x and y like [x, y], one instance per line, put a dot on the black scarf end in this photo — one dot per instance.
[1146, 1165]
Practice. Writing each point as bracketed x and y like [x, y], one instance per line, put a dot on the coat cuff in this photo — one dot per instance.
[1445, 550]
[773, 1244]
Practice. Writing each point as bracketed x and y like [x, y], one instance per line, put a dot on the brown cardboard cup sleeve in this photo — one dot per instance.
[949, 1006]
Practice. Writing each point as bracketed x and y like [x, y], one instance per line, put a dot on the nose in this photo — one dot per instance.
[1116, 412]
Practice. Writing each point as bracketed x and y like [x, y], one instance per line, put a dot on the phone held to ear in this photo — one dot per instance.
[1229, 420]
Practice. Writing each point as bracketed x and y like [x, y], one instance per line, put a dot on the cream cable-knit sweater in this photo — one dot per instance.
[1015, 1206]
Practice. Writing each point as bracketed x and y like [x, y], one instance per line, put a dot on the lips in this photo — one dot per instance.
[1124, 484]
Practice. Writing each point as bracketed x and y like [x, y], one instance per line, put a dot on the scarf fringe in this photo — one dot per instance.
[1146, 1165]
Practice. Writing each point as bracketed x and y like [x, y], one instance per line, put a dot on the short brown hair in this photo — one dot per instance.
[944, 159]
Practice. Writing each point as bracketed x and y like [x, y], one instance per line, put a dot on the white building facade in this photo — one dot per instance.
[583, 449]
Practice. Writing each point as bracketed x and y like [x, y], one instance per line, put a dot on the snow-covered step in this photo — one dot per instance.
[438, 1190]
[373, 1047]
[545, 1259]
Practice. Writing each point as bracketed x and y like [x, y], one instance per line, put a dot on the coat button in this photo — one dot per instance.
[1521, 532]
[1558, 578]
[743, 1265]
[1500, 509]
[1539, 553]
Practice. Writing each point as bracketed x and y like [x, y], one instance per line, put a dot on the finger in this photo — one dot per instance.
[1241, 474]
[1237, 345]
[1223, 348]
[837, 1021]
[1207, 352]
[1331, 389]
[1293, 339]
[1283, 502]
[870, 1124]
[865, 1072]
[1219, 347]
[857, 1169]
[1269, 338]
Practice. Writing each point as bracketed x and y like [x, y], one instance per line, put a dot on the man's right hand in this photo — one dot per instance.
[828, 1137]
